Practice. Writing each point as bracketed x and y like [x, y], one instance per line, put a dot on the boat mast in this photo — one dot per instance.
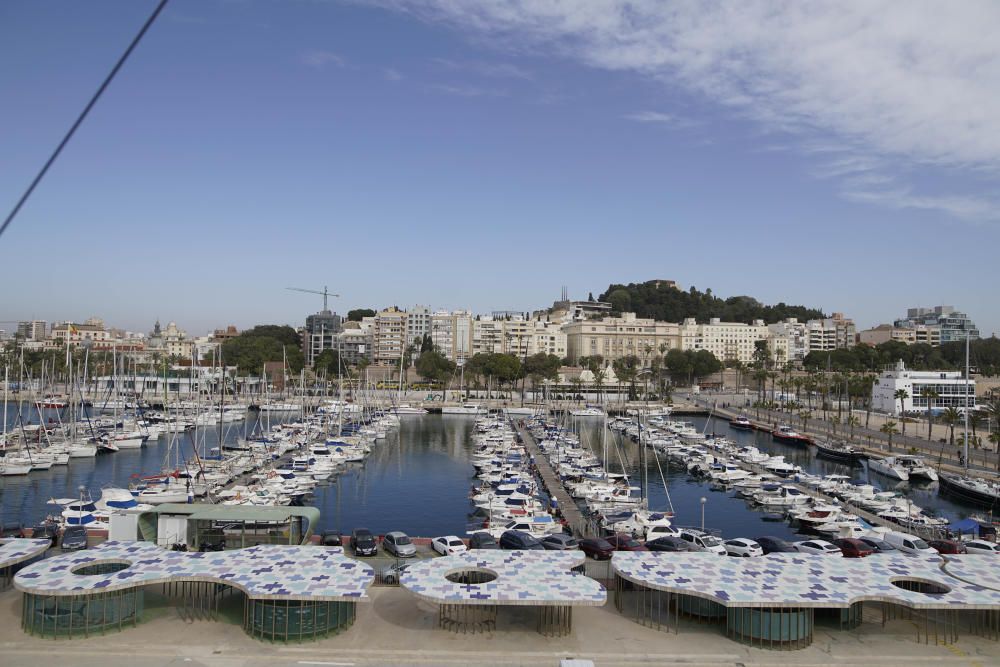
[967, 406]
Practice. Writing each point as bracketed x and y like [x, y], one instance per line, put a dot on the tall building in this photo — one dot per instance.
[418, 325]
[355, 341]
[833, 333]
[954, 325]
[32, 330]
[617, 337]
[790, 339]
[320, 334]
[389, 336]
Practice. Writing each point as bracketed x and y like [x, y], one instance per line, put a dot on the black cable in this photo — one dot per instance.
[79, 120]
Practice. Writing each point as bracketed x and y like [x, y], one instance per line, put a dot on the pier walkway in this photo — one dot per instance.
[574, 517]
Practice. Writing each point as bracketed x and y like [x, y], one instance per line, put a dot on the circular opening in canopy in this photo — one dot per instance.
[471, 575]
[90, 569]
[921, 586]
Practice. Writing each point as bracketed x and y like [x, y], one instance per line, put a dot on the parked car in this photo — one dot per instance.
[597, 548]
[774, 545]
[625, 542]
[520, 541]
[392, 574]
[668, 543]
[909, 544]
[878, 546]
[981, 547]
[743, 548]
[399, 545]
[703, 542]
[46, 530]
[483, 540]
[560, 542]
[853, 548]
[821, 547]
[947, 546]
[363, 542]
[74, 538]
[330, 538]
[448, 545]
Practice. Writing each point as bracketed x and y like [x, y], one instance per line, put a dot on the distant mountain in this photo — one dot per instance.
[661, 300]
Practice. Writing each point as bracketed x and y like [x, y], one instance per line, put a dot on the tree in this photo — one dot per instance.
[627, 369]
[620, 299]
[359, 314]
[950, 417]
[249, 352]
[704, 363]
[542, 366]
[283, 333]
[901, 395]
[929, 394]
[426, 344]
[435, 367]
[853, 421]
[889, 428]
[329, 361]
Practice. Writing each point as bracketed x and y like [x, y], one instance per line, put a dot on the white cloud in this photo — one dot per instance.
[391, 74]
[319, 58]
[467, 91]
[903, 83]
[483, 68]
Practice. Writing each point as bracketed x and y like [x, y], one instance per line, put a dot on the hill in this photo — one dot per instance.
[662, 301]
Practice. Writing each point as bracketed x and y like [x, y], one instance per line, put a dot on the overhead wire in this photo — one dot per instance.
[86, 110]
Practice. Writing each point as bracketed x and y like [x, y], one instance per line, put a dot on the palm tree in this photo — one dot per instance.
[901, 395]
[976, 418]
[995, 439]
[805, 415]
[577, 385]
[889, 428]
[853, 421]
[930, 395]
[950, 417]
[599, 384]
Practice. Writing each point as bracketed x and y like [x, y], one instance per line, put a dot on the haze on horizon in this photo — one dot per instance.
[483, 154]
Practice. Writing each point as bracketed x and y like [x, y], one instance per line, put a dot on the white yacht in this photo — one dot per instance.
[402, 410]
[589, 411]
[464, 409]
[889, 466]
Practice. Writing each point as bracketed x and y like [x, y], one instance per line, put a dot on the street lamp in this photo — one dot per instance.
[703, 501]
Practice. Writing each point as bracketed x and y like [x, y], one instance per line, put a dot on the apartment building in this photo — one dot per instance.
[388, 336]
[953, 325]
[833, 333]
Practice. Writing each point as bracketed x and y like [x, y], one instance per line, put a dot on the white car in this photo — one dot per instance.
[743, 548]
[700, 541]
[448, 545]
[981, 547]
[821, 547]
[653, 532]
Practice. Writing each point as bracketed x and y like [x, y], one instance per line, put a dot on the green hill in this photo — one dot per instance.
[659, 300]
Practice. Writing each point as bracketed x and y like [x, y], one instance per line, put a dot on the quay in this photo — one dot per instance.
[553, 486]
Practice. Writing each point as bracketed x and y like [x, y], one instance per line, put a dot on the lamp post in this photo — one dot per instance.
[703, 501]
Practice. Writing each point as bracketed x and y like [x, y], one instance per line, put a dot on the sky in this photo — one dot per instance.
[482, 155]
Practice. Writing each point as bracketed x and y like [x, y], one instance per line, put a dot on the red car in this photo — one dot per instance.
[852, 548]
[948, 546]
[625, 542]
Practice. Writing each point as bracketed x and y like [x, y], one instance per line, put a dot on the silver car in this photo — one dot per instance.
[399, 545]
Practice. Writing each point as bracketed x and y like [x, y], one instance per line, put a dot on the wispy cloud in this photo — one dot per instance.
[897, 81]
[467, 91]
[320, 58]
[658, 117]
[391, 74]
[484, 68]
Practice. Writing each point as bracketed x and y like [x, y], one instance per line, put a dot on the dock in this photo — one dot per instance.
[574, 517]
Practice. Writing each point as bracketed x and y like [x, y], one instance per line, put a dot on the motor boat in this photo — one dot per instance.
[890, 466]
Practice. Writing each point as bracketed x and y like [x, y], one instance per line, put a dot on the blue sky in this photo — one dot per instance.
[481, 155]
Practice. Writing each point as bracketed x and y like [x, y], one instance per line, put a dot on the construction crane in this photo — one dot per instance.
[325, 293]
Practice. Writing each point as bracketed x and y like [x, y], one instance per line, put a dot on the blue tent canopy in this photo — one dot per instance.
[965, 526]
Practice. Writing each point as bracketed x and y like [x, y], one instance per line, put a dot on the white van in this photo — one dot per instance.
[909, 544]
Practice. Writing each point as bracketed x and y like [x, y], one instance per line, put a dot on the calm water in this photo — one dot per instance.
[418, 480]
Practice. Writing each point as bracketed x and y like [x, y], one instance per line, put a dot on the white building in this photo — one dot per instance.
[616, 337]
[833, 333]
[418, 325]
[792, 336]
[32, 330]
[728, 341]
[389, 336]
[953, 390]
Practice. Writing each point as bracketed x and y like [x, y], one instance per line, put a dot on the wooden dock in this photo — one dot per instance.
[574, 517]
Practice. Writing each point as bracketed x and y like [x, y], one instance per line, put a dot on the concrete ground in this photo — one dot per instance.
[395, 629]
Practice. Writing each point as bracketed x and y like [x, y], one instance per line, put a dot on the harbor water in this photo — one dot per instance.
[418, 479]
